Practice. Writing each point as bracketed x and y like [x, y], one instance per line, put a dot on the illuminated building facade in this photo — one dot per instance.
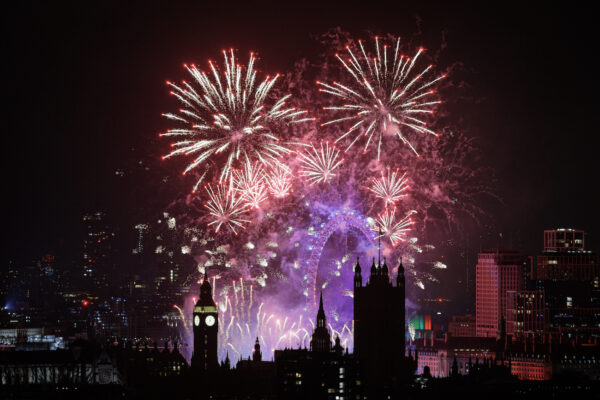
[565, 257]
[98, 252]
[564, 240]
[497, 272]
[525, 312]
[462, 326]
[569, 276]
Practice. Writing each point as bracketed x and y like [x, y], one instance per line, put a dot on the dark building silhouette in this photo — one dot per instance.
[321, 340]
[379, 327]
[206, 328]
[323, 372]
[253, 378]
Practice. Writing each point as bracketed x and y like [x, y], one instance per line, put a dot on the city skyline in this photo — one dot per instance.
[212, 178]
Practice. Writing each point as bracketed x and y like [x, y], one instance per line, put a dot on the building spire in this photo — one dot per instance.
[379, 247]
[321, 303]
[321, 340]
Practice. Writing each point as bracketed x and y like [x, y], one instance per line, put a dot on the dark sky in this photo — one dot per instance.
[84, 86]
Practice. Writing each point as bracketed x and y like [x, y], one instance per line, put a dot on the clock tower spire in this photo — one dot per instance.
[206, 328]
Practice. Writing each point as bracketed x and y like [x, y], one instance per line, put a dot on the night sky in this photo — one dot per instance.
[86, 90]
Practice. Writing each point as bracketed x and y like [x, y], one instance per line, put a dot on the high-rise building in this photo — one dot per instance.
[379, 325]
[569, 276]
[564, 240]
[206, 328]
[497, 271]
[142, 230]
[525, 313]
[565, 257]
[98, 252]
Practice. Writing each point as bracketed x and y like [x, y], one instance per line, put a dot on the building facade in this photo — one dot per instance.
[525, 312]
[497, 272]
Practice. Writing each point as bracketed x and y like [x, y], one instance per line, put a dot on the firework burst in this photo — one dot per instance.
[385, 97]
[229, 115]
[391, 228]
[389, 187]
[225, 208]
[319, 165]
[279, 181]
[250, 184]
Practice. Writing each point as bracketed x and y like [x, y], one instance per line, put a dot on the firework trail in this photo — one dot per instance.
[225, 208]
[389, 187]
[319, 165]
[243, 320]
[385, 96]
[229, 115]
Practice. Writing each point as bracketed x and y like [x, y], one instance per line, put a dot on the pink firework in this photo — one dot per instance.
[319, 165]
[394, 230]
[386, 96]
[279, 181]
[227, 115]
[250, 184]
[390, 187]
[226, 208]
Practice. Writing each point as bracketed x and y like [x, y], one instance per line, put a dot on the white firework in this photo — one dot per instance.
[394, 230]
[390, 187]
[227, 115]
[319, 165]
[226, 208]
[279, 181]
[385, 96]
[250, 184]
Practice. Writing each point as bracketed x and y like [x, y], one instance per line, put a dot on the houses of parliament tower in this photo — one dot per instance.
[379, 326]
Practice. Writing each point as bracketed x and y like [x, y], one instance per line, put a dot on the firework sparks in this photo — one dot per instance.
[319, 165]
[227, 116]
[279, 181]
[391, 228]
[389, 187]
[385, 96]
[225, 208]
[250, 184]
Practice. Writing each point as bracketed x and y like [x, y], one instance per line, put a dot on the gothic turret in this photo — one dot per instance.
[400, 276]
[257, 355]
[337, 348]
[373, 271]
[357, 275]
[384, 270]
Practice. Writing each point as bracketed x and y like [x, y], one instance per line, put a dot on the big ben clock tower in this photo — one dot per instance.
[206, 328]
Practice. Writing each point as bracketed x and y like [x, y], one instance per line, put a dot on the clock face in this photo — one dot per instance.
[196, 320]
[210, 320]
